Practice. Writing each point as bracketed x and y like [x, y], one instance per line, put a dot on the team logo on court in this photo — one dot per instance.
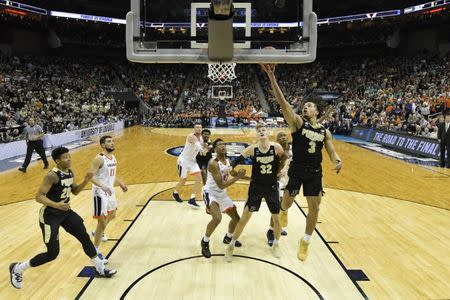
[233, 151]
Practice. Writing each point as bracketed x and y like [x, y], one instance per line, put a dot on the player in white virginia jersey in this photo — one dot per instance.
[187, 163]
[104, 168]
[215, 195]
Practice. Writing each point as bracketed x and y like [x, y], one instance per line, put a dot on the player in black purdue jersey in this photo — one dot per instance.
[204, 157]
[308, 139]
[54, 194]
[267, 158]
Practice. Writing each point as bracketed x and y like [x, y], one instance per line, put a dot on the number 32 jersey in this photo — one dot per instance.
[265, 167]
[307, 144]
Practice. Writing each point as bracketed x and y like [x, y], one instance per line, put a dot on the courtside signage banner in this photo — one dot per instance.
[403, 142]
[18, 148]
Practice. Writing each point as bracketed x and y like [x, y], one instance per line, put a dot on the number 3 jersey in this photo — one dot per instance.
[106, 174]
[265, 167]
[307, 144]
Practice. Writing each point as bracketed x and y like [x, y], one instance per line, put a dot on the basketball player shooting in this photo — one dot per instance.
[308, 139]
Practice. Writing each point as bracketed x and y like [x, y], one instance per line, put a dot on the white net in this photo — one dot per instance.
[221, 72]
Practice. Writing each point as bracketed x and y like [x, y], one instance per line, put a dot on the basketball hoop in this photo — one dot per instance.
[221, 72]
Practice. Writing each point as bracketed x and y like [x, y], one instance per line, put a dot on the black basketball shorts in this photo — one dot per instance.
[310, 178]
[258, 191]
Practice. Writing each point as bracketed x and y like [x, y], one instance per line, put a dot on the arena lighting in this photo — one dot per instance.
[25, 7]
[424, 6]
[328, 21]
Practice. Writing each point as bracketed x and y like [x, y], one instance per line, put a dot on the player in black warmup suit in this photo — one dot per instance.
[308, 139]
[267, 159]
[54, 194]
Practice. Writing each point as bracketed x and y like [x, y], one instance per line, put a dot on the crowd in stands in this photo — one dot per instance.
[199, 101]
[405, 94]
[62, 94]
[159, 86]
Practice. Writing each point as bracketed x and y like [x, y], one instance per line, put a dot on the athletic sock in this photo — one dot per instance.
[206, 239]
[21, 267]
[307, 237]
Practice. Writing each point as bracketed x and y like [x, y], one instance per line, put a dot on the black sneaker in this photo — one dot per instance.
[176, 197]
[270, 237]
[192, 203]
[45, 167]
[227, 240]
[107, 273]
[205, 249]
[22, 169]
[283, 232]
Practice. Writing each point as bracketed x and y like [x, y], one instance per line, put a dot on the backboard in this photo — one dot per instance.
[176, 31]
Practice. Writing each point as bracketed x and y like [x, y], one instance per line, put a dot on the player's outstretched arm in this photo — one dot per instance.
[246, 153]
[334, 157]
[292, 119]
[213, 168]
[77, 188]
[193, 140]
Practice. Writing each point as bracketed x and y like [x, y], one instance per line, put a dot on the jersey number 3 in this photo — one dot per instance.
[266, 169]
[312, 147]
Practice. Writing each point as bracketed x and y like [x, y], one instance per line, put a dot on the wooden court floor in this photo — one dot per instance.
[380, 217]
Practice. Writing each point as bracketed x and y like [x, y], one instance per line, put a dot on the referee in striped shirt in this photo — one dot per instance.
[34, 137]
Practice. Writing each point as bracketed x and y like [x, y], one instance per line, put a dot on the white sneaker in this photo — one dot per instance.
[229, 254]
[104, 260]
[104, 237]
[15, 277]
[276, 250]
